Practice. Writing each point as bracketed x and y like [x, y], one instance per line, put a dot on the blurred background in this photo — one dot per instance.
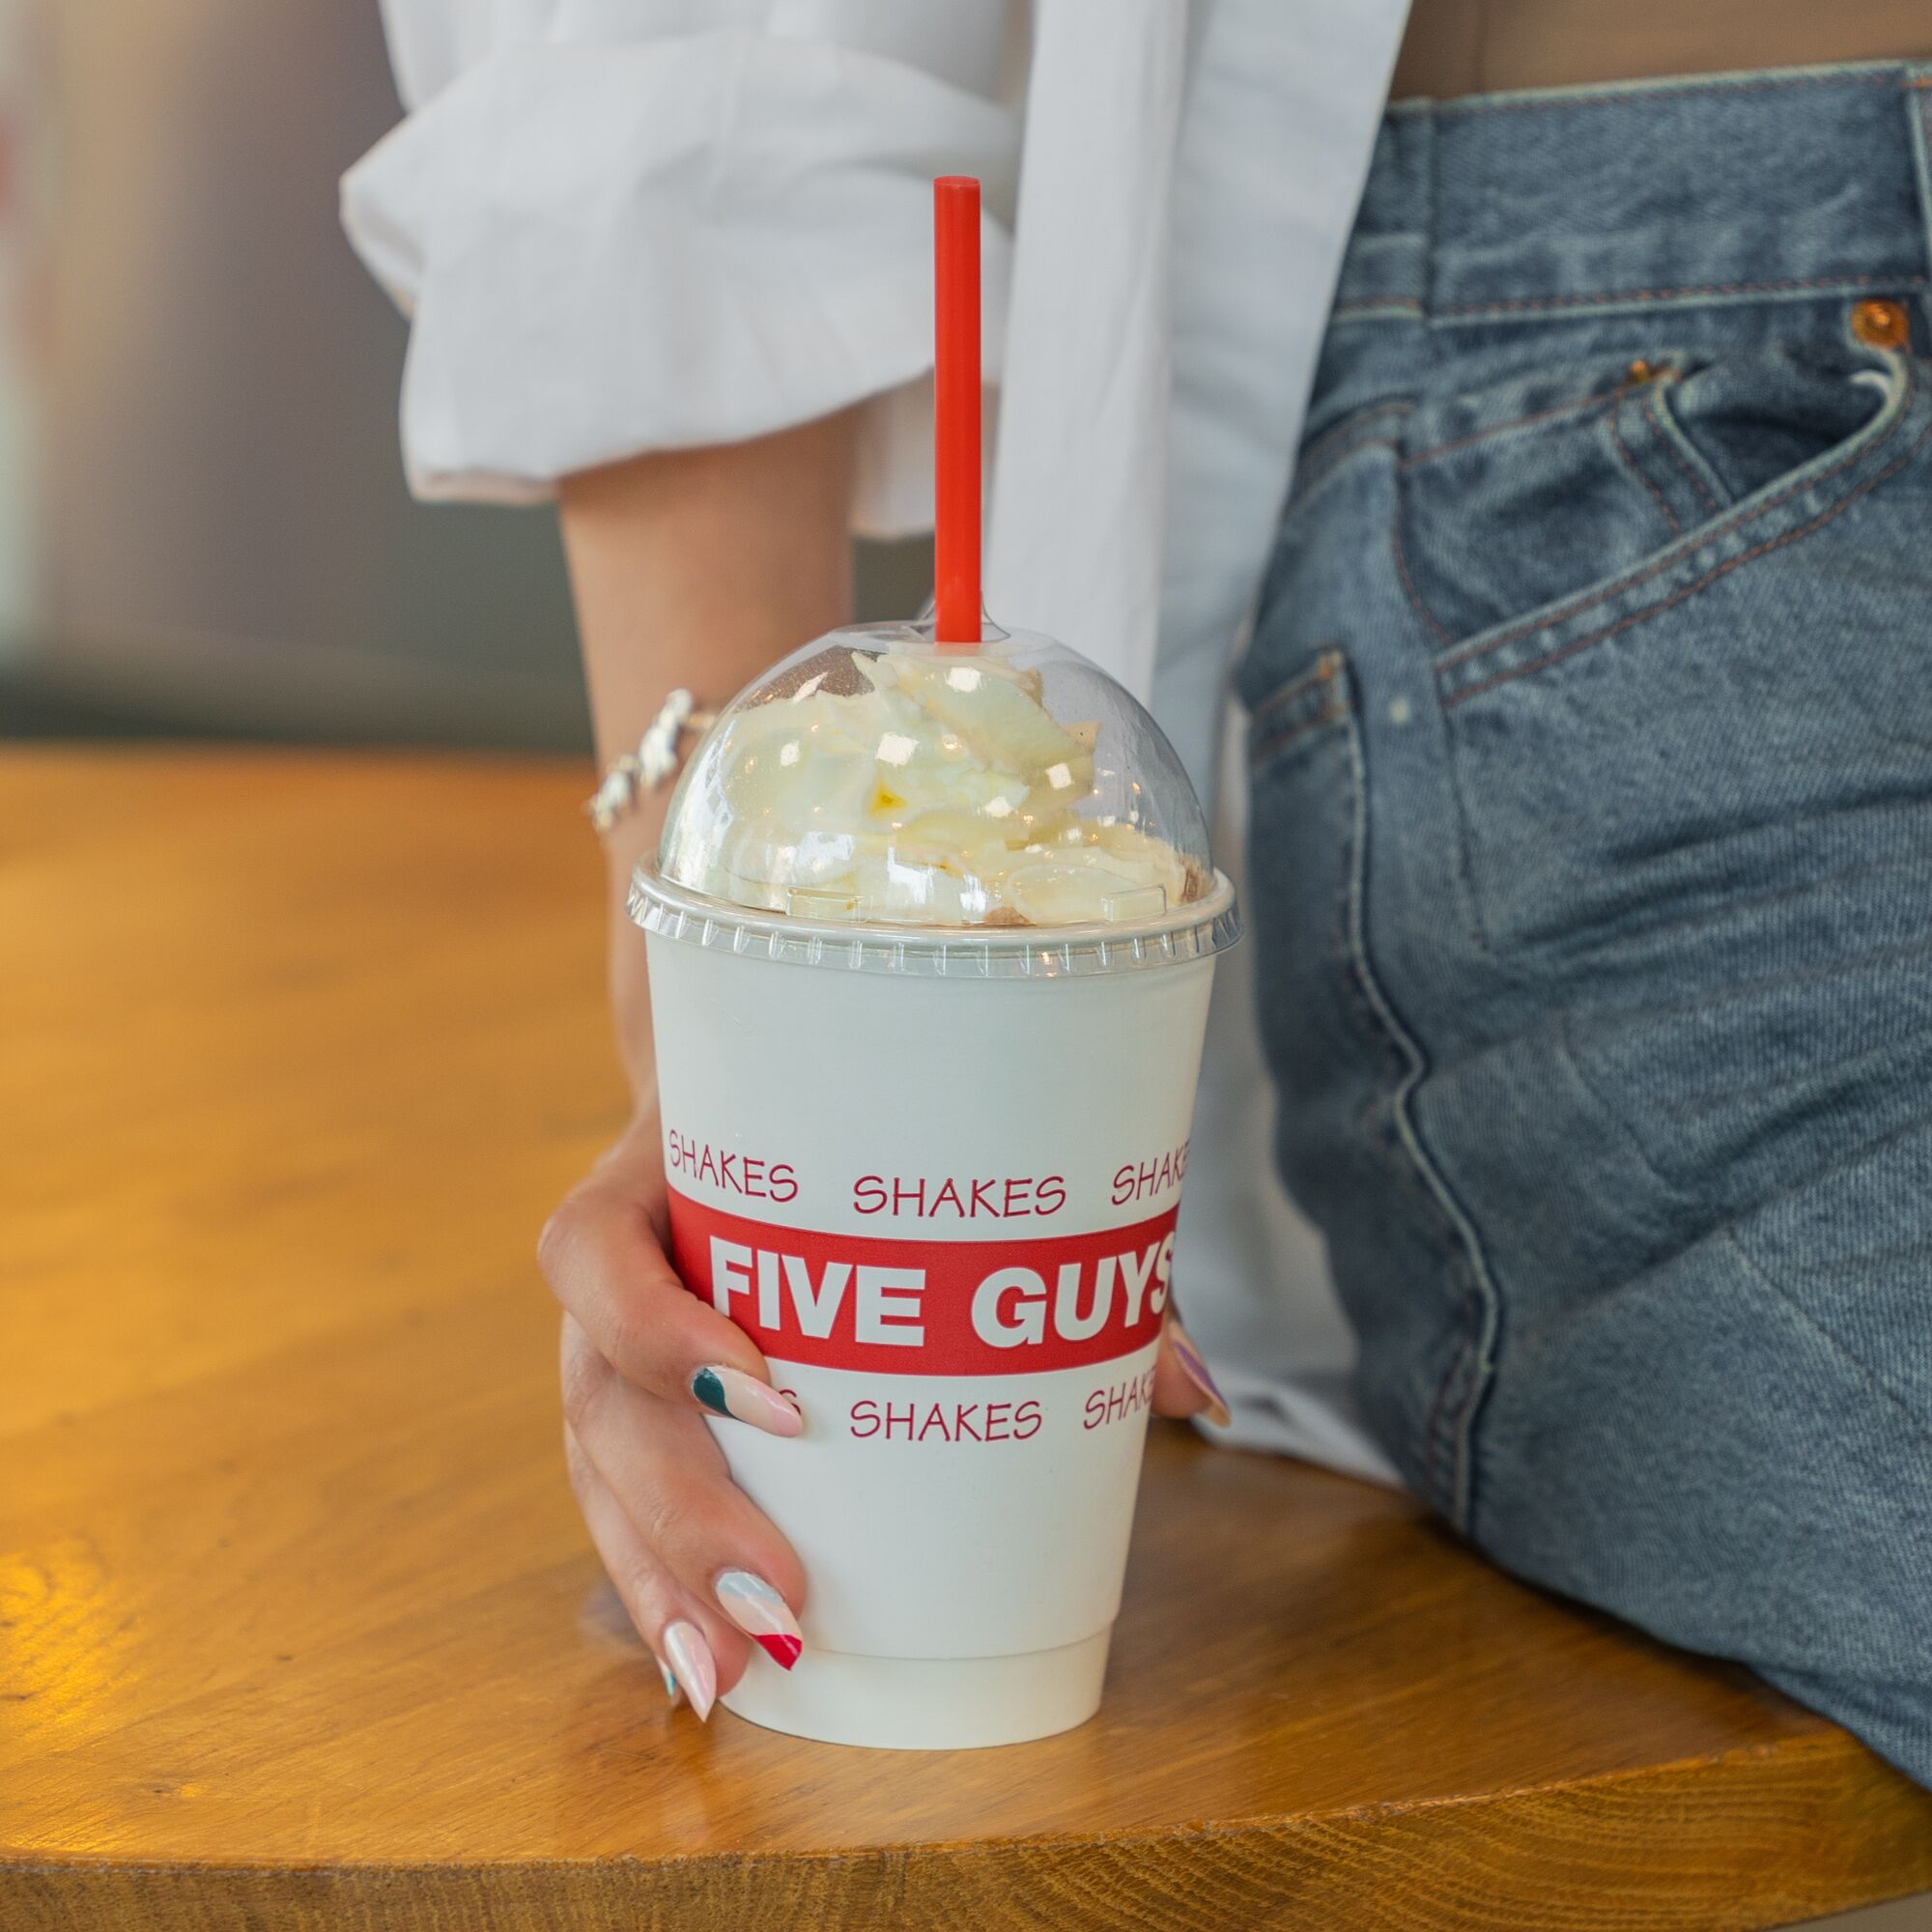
[204, 529]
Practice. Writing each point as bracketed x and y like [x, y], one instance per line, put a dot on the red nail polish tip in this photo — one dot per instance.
[782, 1651]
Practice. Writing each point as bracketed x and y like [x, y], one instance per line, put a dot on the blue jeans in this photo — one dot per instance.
[1591, 700]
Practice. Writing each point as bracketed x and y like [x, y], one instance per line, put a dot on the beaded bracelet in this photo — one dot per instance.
[654, 763]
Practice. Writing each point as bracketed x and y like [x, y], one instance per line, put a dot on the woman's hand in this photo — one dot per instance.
[696, 568]
[701, 1572]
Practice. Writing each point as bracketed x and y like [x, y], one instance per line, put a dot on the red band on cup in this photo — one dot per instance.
[1003, 1307]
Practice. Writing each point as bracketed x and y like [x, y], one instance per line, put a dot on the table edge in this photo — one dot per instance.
[1878, 1823]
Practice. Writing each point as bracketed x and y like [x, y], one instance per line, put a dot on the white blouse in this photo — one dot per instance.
[625, 225]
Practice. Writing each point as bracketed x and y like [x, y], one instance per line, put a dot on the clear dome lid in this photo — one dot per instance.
[875, 778]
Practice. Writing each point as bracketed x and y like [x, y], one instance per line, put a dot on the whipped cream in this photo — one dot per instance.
[923, 790]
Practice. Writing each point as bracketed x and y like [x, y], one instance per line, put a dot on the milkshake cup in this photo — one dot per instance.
[931, 931]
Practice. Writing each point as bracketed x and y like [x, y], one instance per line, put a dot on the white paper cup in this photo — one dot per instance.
[935, 1177]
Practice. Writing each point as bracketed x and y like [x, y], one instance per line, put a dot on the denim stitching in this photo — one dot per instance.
[1327, 663]
[1918, 133]
[1654, 411]
[1460, 1372]
[1379, 1118]
[1630, 463]
[1478, 1350]
[1301, 689]
[1302, 498]
[1609, 97]
[1391, 1060]
[1408, 305]
[1393, 1063]
[1317, 454]
[1289, 734]
[1431, 291]
[1520, 302]
[1328, 456]
[1580, 407]
[1898, 76]
[1416, 604]
[1690, 590]
[1603, 592]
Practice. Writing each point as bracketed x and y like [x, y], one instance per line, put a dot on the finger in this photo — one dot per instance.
[666, 1472]
[698, 1653]
[592, 1389]
[600, 1254]
[1182, 1382]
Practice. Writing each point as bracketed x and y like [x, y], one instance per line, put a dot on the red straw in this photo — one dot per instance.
[955, 380]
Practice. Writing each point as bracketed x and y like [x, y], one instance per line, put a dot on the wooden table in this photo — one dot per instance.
[297, 1627]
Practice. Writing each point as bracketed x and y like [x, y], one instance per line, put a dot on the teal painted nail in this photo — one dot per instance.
[709, 1390]
[744, 1398]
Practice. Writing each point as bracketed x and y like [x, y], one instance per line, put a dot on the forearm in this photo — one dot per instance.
[697, 568]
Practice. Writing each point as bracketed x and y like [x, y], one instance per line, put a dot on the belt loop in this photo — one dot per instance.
[1428, 134]
[1917, 96]
[1425, 131]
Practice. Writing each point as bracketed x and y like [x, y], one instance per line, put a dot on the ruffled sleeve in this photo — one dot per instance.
[613, 244]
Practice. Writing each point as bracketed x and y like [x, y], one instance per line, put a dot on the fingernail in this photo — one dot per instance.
[688, 1667]
[746, 1399]
[674, 1692]
[1189, 1358]
[762, 1614]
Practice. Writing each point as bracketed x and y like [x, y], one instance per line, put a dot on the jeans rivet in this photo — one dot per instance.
[1879, 323]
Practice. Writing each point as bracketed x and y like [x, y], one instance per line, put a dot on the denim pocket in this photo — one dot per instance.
[1648, 748]
[1541, 495]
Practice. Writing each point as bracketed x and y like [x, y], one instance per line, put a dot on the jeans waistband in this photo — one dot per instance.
[1787, 184]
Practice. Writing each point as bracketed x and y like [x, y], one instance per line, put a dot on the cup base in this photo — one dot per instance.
[926, 1703]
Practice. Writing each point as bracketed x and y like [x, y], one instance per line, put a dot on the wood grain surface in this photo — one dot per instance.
[298, 1626]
